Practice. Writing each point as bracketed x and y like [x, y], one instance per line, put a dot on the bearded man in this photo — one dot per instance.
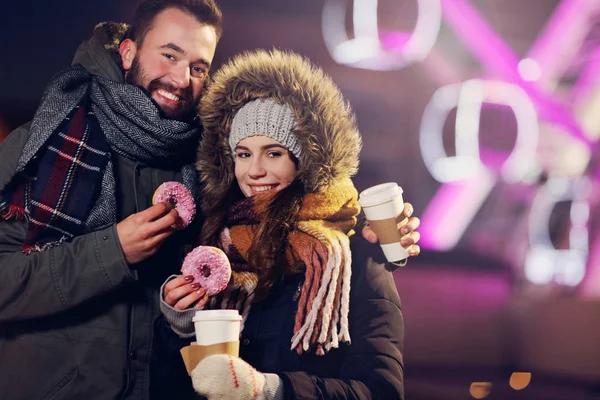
[82, 250]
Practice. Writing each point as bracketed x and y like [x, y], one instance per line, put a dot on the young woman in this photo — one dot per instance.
[319, 320]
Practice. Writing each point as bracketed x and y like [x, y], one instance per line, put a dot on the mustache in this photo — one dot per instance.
[185, 95]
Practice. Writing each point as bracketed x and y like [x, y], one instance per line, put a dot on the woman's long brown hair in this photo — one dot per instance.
[267, 253]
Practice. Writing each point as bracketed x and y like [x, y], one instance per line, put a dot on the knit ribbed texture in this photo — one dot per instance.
[265, 117]
[273, 387]
[180, 320]
[222, 376]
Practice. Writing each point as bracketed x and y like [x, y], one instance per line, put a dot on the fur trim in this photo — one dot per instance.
[326, 126]
[112, 33]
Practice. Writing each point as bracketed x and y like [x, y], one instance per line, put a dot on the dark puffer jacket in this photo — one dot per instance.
[76, 322]
[370, 368]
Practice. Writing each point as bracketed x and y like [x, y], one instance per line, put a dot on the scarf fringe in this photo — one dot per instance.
[14, 212]
[40, 246]
[344, 335]
[335, 284]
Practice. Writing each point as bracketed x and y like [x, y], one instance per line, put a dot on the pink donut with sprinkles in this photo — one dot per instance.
[210, 268]
[180, 198]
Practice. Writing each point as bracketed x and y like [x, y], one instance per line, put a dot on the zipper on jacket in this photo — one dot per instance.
[136, 175]
[298, 291]
[129, 351]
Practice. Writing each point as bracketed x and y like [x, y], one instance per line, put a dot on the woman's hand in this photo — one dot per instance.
[408, 230]
[222, 376]
[182, 292]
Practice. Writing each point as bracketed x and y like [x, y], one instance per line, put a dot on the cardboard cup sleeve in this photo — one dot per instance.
[194, 353]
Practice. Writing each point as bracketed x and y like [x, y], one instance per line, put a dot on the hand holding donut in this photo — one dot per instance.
[181, 292]
[206, 272]
[141, 234]
[177, 195]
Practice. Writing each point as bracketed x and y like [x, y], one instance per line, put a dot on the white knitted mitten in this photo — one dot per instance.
[226, 377]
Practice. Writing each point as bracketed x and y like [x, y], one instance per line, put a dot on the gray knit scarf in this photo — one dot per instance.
[132, 124]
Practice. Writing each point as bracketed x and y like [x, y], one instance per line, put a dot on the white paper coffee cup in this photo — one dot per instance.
[216, 326]
[383, 206]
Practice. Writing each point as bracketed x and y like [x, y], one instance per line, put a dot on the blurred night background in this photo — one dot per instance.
[486, 112]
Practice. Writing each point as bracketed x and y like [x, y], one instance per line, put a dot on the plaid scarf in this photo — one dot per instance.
[64, 184]
[321, 242]
[60, 197]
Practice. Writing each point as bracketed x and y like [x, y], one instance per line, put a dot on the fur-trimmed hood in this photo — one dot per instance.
[326, 127]
[99, 55]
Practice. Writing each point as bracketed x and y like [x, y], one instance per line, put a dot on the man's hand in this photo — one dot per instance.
[141, 234]
[407, 228]
[182, 292]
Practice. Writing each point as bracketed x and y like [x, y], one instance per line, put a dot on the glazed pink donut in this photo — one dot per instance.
[181, 198]
[210, 268]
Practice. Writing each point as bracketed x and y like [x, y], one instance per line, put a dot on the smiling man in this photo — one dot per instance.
[82, 250]
[171, 63]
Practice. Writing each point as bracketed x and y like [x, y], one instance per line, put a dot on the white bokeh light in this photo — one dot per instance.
[529, 69]
[365, 50]
[544, 263]
[468, 98]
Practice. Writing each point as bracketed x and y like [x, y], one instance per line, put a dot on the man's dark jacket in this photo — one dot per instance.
[76, 321]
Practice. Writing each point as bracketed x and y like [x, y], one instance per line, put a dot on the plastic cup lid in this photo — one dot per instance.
[379, 194]
[217, 315]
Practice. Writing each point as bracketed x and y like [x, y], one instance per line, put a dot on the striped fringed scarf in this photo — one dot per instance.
[321, 242]
[58, 200]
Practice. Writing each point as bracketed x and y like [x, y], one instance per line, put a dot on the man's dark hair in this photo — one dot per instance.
[205, 11]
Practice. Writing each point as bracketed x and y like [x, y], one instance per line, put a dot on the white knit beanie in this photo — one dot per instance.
[265, 117]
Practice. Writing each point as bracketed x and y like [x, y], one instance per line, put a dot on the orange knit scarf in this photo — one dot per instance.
[321, 242]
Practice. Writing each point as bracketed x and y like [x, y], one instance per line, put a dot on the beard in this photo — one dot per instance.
[186, 106]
